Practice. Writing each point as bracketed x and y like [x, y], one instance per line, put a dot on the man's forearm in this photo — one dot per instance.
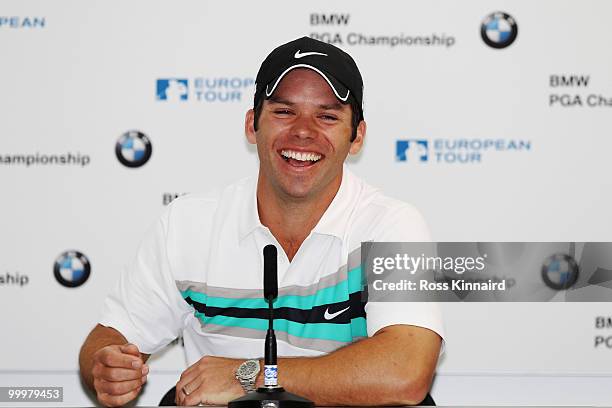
[395, 367]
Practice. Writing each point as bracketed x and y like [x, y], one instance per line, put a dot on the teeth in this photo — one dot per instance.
[290, 154]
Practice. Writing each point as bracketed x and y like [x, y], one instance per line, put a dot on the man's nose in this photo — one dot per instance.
[303, 127]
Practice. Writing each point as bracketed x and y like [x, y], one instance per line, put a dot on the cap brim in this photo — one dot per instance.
[341, 91]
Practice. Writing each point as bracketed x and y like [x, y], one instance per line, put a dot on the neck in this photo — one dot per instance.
[292, 219]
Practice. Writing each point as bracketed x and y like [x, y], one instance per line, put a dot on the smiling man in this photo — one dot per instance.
[198, 273]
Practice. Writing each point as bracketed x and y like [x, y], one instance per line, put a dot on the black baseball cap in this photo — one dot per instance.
[334, 65]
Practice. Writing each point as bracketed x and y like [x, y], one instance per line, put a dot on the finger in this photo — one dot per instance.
[186, 378]
[194, 398]
[180, 395]
[178, 400]
[120, 374]
[192, 389]
[130, 349]
[118, 400]
[120, 360]
[118, 388]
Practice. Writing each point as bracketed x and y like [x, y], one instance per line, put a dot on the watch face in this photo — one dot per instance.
[248, 369]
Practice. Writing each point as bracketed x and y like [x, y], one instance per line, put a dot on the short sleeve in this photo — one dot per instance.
[145, 305]
[404, 224]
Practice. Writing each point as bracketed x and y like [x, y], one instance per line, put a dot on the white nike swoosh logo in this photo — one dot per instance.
[329, 316]
[299, 54]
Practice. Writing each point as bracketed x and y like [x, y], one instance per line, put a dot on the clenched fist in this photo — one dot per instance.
[118, 374]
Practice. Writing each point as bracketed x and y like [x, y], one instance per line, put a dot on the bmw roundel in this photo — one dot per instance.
[133, 149]
[560, 271]
[71, 269]
[498, 30]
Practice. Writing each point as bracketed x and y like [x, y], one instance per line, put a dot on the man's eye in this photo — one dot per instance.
[282, 111]
[330, 118]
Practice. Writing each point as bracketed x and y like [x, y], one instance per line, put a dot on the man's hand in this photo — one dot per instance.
[118, 374]
[211, 381]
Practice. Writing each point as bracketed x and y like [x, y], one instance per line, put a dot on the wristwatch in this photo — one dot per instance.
[246, 374]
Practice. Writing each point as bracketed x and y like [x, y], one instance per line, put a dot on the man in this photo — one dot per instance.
[198, 274]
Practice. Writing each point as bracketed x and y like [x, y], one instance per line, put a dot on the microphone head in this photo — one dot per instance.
[270, 272]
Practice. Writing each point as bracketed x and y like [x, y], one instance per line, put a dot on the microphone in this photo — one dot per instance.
[270, 273]
[271, 395]
[270, 294]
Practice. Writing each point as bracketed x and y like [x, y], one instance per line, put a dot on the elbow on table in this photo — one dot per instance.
[414, 389]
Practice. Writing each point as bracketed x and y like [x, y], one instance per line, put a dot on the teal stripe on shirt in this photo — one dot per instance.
[325, 331]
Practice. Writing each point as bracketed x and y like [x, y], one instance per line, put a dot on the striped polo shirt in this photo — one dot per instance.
[199, 274]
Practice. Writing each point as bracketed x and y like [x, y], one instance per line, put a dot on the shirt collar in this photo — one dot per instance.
[334, 220]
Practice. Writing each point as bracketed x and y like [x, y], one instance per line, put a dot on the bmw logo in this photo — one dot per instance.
[71, 269]
[560, 271]
[498, 30]
[133, 149]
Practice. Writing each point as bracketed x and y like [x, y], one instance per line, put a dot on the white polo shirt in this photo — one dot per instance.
[199, 274]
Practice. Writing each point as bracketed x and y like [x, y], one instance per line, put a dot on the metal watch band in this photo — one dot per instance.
[248, 385]
[248, 378]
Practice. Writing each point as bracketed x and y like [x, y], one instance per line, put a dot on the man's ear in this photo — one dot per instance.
[358, 142]
[249, 126]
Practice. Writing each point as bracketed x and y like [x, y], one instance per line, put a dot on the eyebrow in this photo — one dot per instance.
[332, 106]
[276, 99]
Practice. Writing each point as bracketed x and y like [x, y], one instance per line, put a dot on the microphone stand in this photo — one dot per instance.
[270, 367]
[271, 395]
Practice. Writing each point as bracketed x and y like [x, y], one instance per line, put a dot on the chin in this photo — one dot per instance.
[294, 192]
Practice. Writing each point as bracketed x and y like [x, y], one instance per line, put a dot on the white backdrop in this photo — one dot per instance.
[76, 75]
